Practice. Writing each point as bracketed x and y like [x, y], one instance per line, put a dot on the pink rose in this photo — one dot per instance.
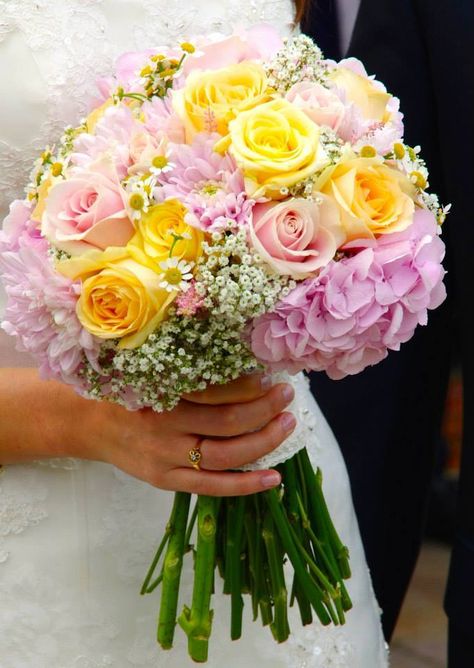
[261, 42]
[325, 107]
[296, 237]
[87, 211]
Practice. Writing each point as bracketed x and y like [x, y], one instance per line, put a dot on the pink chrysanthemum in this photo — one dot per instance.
[112, 135]
[160, 117]
[41, 307]
[210, 185]
[358, 308]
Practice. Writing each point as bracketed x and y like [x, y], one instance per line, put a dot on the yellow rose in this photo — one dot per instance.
[372, 197]
[211, 99]
[362, 91]
[120, 298]
[162, 232]
[276, 145]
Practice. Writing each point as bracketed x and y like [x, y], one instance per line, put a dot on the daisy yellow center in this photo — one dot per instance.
[137, 201]
[173, 276]
[159, 161]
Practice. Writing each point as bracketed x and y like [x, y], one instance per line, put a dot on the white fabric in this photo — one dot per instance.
[76, 537]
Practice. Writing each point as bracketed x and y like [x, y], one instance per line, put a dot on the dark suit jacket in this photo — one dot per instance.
[423, 51]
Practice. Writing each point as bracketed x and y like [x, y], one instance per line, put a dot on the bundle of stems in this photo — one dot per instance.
[248, 540]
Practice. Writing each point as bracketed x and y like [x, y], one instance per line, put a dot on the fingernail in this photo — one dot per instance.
[288, 421]
[266, 382]
[288, 392]
[271, 479]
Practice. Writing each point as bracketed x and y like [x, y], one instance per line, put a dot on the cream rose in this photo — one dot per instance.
[120, 298]
[296, 237]
[372, 197]
[211, 99]
[370, 97]
[276, 145]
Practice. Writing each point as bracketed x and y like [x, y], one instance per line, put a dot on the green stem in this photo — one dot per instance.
[197, 621]
[155, 583]
[233, 567]
[341, 550]
[279, 626]
[172, 566]
[333, 572]
[156, 558]
[281, 521]
[260, 566]
[291, 498]
[329, 592]
[189, 530]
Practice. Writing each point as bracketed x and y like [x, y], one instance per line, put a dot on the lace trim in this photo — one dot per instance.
[305, 430]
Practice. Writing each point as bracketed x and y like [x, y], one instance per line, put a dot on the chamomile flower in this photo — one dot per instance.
[176, 274]
[139, 193]
[161, 164]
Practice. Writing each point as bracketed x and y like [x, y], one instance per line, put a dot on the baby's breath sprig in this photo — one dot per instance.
[300, 59]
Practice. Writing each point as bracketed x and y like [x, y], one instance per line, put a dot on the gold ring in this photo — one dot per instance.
[195, 456]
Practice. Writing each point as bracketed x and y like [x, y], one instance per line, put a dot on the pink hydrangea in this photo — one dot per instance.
[41, 306]
[209, 184]
[358, 308]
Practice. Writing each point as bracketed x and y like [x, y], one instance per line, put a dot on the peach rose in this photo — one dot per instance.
[372, 198]
[298, 236]
[87, 210]
[120, 298]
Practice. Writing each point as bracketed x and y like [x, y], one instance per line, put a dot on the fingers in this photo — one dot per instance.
[233, 419]
[222, 484]
[236, 452]
[246, 388]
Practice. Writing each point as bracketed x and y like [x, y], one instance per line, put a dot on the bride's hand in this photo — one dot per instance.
[232, 424]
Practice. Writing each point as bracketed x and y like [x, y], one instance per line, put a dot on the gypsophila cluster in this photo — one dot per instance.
[189, 352]
[299, 60]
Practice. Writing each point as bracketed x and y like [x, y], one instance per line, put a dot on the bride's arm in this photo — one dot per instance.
[234, 424]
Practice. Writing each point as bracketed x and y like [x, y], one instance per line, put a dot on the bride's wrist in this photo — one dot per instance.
[39, 419]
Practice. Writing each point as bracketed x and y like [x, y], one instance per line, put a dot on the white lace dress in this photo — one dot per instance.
[76, 537]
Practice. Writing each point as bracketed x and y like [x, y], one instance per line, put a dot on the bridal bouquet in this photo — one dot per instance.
[227, 205]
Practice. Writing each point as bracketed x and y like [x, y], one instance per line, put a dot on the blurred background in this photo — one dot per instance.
[420, 638]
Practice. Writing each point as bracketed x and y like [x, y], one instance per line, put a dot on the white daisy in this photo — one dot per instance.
[139, 197]
[176, 274]
[161, 164]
